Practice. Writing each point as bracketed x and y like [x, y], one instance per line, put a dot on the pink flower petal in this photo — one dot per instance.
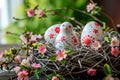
[30, 12]
[42, 49]
[96, 45]
[91, 72]
[115, 42]
[90, 6]
[36, 66]
[115, 51]
[40, 13]
[55, 78]
[60, 55]
[22, 37]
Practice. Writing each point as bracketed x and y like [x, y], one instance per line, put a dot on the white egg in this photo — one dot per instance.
[51, 33]
[92, 31]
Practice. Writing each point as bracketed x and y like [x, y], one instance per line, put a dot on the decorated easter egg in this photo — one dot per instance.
[51, 33]
[91, 32]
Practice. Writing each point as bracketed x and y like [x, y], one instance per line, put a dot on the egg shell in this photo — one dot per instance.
[51, 33]
[92, 31]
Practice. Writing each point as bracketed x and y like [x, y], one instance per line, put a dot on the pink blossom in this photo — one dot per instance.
[91, 72]
[96, 45]
[23, 75]
[42, 49]
[29, 33]
[39, 36]
[60, 55]
[1, 54]
[40, 13]
[17, 59]
[29, 58]
[35, 65]
[109, 78]
[90, 7]
[17, 69]
[33, 38]
[30, 12]
[115, 51]
[25, 63]
[114, 42]
[22, 37]
[30, 51]
[55, 78]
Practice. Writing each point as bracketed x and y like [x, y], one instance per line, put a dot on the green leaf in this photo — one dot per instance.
[107, 39]
[36, 75]
[61, 77]
[107, 69]
[52, 58]
[63, 62]
[68, 52]
[104, 25]
[36, 7]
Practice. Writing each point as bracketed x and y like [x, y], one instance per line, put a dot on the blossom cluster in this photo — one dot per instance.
[31, 12]
[93, 8]
[115, 43]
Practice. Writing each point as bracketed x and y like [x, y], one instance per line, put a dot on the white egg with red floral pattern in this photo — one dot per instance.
[91, 32]
[51, 33]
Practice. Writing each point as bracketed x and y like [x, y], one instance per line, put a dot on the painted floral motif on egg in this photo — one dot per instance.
[51, 33]
[92, 31]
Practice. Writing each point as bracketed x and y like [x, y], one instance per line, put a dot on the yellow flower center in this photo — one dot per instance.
[114, 42]
[61, 55]
[96, 44]
[23, 75]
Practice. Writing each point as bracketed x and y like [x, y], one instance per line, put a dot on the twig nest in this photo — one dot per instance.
[66, 38]
[51, 33]
[91, 32]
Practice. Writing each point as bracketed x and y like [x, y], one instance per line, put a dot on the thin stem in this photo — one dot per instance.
[92, 1]
[95, 18]
[69, 18]
[20, 19]
[12, 33]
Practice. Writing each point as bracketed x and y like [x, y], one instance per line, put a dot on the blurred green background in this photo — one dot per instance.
[38, 26]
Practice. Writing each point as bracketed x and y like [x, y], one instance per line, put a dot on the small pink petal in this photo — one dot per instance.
[115, 51]
[22, 37]
[22, 75]
[17, 69]
[55, 78]
[42, 49]
[115, 42]
[91, 72]
[1, 54]
[96, 45]
[60, 55]
[90, 6]
[40, 13]
[30, 12]
[35, 65]
[17, 59]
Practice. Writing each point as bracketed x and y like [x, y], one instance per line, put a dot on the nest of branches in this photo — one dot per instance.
[77, 61]
[83, 58]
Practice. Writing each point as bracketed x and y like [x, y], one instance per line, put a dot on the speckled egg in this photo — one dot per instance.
[51, 33]
[92, 31]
